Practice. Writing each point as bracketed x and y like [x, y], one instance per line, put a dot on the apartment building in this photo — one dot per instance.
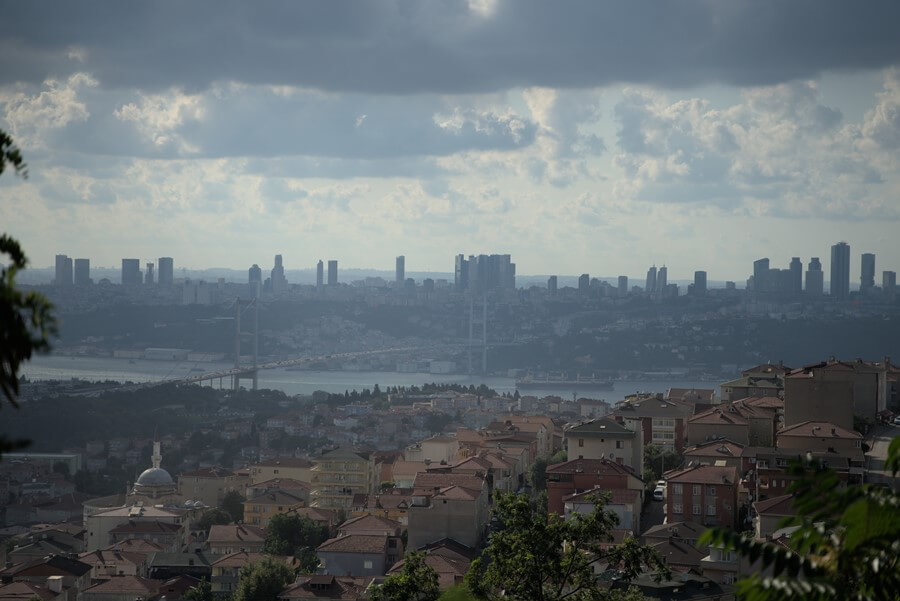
[340, 474]
[706, 494]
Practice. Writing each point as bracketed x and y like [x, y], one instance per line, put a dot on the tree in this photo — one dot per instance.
[416, 581]
[26, 319]
[233, 503]
[213, 516]
[297, 535]
[201, 592]
[538, 474]
[846, 545]
[262, 580]
[658, 460]
[560, 456]
[538, 556]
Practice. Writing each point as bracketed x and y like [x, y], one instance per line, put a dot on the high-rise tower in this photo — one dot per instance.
[840, 271]
[867, 273]
[400, 270]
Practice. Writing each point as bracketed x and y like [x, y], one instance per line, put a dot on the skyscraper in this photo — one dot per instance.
[840, 271]
[815, 278]
[551, 284]
[867, 273]
[662, 280]
[63, 271]
[699, 283]
[761, 276]
[584, 282]
[332, 272]
[254, 280]
[400, 270]
[148, 276]
[623, 285]
[131, 272]
[651, 280]
[461, 273]
[320, 274]
[279, 282]
[82, 272]
[796, 270]
[889, 282]
[165, 267]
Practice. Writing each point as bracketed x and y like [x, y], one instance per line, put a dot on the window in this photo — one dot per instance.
[367, 564]
[580, 442]
[711, 491]
[676, 488]
[618, 444]
[696, 508]
[663, 423]
[856, 443]
[695, 489]
[676, 508]
[711, 509]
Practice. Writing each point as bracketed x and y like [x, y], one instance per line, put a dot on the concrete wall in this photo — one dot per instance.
[461, 520]
[629, 451]
[353, 564]
[818, 399]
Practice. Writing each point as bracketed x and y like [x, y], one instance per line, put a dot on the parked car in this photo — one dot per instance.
[659, 493]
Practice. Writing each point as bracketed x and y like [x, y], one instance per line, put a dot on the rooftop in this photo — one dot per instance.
[818, 430]
[703, 474]
[355, 543]
[600, 427]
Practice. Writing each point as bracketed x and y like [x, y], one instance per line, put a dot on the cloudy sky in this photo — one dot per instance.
[591, 136]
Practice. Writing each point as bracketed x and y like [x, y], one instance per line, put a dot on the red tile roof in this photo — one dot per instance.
[125, 584]
[355, 543]
[813, 429]
[703, 474]
[783, 505]
[235, 533]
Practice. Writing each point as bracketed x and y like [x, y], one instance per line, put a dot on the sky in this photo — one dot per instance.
[597, 136]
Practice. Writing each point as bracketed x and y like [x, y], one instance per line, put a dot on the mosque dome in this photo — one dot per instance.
[155, 476]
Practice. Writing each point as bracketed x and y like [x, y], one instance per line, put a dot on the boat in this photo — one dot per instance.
[531, 382]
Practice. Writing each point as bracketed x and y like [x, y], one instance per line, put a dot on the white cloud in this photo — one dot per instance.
[30, 117]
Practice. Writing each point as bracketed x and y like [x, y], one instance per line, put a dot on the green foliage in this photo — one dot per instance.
[846, 544]
[212, 517]
[537, 474]
[457, 593]
[263, 580]
[539, 556]
[561, 456]
[297, 535]
[201, 592]
[26, 319]
[233, 504]
[416, 581]
[658, 460]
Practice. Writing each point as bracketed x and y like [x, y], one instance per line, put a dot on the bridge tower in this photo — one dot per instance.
[251, 372]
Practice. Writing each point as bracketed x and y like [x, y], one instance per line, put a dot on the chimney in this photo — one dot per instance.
[55, 583]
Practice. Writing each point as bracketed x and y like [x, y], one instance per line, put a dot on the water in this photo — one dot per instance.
[54, 367]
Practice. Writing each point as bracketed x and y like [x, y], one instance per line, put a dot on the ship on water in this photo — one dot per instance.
[550, 381]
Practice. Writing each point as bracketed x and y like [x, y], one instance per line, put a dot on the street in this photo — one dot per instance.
[878, 439]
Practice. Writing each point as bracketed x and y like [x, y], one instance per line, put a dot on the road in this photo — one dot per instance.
[878, 439]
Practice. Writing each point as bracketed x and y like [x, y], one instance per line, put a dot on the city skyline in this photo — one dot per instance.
[683, 139]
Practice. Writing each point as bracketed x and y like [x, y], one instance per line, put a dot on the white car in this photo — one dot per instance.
[659, 493]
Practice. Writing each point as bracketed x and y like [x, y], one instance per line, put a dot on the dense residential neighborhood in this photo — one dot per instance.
[374, 477]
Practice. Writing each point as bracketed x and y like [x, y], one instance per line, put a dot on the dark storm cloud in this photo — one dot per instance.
[409, 46]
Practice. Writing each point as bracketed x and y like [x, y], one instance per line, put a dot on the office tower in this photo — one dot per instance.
[796, 281]
[63, 271]
[623, 285]
[428, 285]
[165, 268]
[551, 284]
[651, 280]
[279, 282]
[148, 276]
[584, 282]
[761, 276]
[400, 269]
[332, 273]
[131, 272]
[83, 272]
[840, 271]
[320, 274]
[662, 280]
[461, 273]
[889, 282]
[729, 285]
[815, 278]
[699, 283]
[254, 280]
[867, 273]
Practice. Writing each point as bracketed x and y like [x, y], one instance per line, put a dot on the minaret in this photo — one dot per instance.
[156, 458]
